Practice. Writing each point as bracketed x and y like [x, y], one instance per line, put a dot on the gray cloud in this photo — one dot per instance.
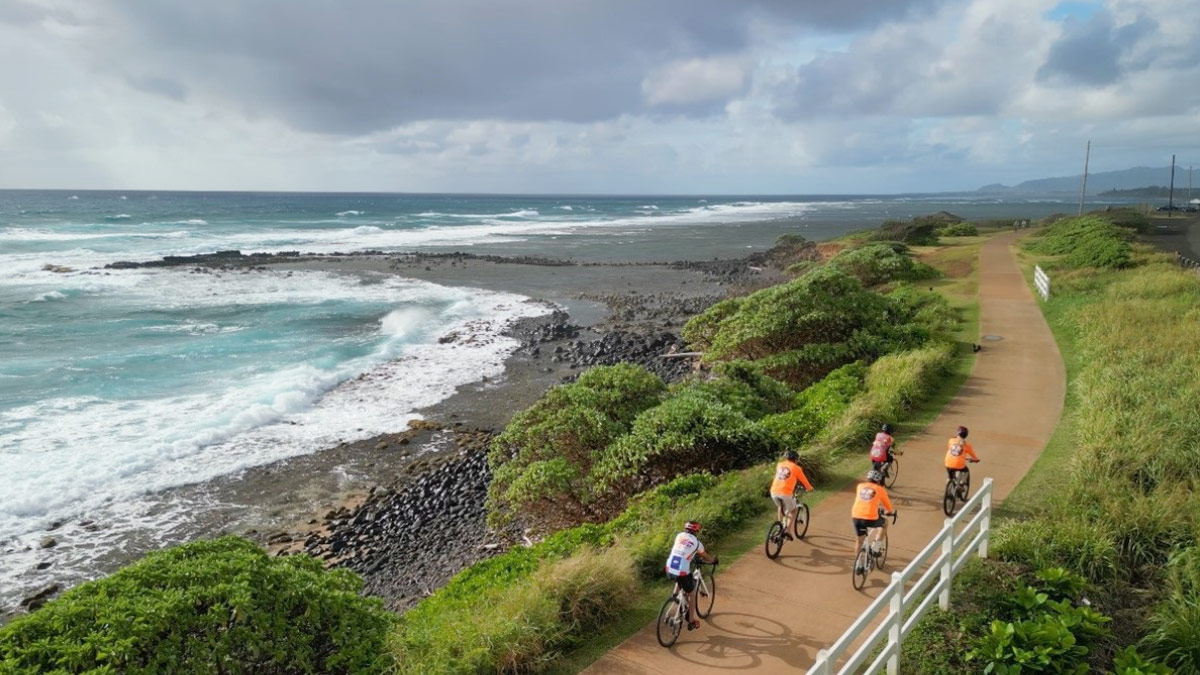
[352, 68]
[1092, 53]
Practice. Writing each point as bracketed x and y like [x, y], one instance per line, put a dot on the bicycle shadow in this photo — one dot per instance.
[745, 641]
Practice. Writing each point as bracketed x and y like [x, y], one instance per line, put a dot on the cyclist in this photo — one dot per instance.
[679, 565]
[958, 450]
[882, 446]
[783, 489]
[871, 503]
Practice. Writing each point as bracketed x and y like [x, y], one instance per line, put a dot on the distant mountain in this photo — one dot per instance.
[1101, 181]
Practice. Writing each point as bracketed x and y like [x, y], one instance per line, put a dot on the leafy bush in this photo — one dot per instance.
[1087, 241]
[1130, 662]
[959, 230]
[541, 462]
[817, 406]
[798, 331]
[743, 386]
[686, 433]
[208, 606]
[879, 264]
[915, 233]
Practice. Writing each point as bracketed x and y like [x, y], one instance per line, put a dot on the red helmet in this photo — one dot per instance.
[692, 526]
[962, 432]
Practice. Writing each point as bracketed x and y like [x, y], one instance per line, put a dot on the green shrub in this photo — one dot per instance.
[799, 331]
[208, 606]
[1087, 241]
[958, 230]
[1041, 645]
[541, 462]
[914, 233]
[877, 264]
[686, 433]
[743, 386]
[1130, 662]
[817, 406]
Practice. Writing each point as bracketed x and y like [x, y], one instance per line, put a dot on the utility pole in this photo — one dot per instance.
[1087, 155]
[1171, 190]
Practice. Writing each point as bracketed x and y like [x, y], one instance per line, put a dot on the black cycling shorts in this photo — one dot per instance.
[686, 581]
[861, 525]
[950, 472]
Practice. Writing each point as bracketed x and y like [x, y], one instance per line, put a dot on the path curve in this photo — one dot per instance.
[774, 615]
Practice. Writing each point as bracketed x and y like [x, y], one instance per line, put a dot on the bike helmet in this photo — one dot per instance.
[791, 455]
[962, 432]
[875, 476]
[692, 526]
[887, 428]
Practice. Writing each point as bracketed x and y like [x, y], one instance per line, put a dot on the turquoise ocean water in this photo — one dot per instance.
[117, 384]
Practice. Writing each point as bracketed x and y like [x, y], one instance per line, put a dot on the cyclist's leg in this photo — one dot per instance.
[860, 532]
[779, 515]
[688, 583]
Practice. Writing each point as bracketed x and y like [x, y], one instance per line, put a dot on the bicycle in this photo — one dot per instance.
[958, 489]
[890, 468]
[674, 612]
[774, 543]
[866, 560]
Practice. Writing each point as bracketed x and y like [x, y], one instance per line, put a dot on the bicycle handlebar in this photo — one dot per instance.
[893, 515]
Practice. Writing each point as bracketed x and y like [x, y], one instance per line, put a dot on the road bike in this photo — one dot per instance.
[958, 489]
[867, 560]
[674, 613]
[775, 535]
[890, 469]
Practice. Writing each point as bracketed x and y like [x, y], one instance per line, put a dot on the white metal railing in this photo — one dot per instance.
[901, 608]
[1042, 281]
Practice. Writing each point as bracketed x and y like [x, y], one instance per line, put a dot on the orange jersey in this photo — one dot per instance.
[957, 452]
[867, 499]
[787, 473]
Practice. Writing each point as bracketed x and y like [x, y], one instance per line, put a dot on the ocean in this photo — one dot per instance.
[116, 385]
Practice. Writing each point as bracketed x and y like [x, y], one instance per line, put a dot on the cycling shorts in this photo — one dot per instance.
[686, 581]
[861, 525]
[950, 472]
[788, 502]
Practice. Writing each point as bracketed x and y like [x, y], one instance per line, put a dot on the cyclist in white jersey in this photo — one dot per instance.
[679, 565]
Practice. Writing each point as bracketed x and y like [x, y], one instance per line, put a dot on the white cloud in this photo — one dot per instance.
[692, 81]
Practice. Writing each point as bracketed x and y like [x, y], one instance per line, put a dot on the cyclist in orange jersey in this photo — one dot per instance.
[958, 451]
[783, 489]
[871, 502]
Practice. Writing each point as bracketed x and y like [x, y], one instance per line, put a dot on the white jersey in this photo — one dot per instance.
[685, 548]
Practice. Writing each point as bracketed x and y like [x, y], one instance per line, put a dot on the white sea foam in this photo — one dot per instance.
[191, 221]
[566, 207]
[343, 214]
[150, 445]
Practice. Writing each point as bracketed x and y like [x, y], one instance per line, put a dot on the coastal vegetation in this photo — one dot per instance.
[600, 471]
[208, 606]
[1113, 498]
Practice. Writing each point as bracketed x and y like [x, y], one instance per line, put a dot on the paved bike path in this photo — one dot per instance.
[775, 615]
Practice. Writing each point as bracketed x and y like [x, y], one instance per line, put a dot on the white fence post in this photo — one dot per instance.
[986, 525]
[947, 564]
[821, 667]
[897, 619]
[1042, 281]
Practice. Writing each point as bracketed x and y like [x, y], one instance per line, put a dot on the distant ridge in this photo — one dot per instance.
[1126, 179]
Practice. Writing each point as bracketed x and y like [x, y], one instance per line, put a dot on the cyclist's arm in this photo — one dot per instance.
[887, 501]
[804, 480]
[705, 556]
[971, 452]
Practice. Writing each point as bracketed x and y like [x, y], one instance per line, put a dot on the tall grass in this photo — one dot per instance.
[1126, 503]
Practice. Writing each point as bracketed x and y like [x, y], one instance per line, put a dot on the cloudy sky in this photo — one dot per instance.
[629, 96]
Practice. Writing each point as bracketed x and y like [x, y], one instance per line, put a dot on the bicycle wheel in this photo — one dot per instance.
[800, 523]
[774, 542]
[858, 574]
[704, 603]
[670, 621]
[883, 550]
[964, 486]
[948, 499]
[890, 471]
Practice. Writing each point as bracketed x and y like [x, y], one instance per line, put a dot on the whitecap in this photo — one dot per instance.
[566, 207]
[343, 214]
